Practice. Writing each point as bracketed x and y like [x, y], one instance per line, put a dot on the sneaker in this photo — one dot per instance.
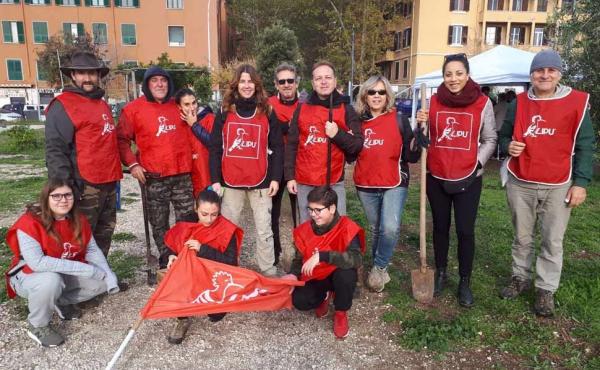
[377, 279]
[178, 333]
[544, 303]
[68, 312]
[45, 336]
[340, 324]
[323, 307]
[517, 286]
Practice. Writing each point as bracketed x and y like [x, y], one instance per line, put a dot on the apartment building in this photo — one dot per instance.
[127, 31]
[429, 29]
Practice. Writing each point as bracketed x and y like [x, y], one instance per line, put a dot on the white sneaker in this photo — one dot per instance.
[377, 279]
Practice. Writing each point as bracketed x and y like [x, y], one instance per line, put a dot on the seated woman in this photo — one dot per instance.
[214, 237]
[56, 262]
[331, 248]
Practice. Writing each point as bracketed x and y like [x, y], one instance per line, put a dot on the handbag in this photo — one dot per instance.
[460, 186]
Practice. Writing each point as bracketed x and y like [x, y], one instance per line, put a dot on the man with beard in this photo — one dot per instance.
[81, 144]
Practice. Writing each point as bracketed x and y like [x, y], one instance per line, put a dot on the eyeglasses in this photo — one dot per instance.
[378, 92]
[316, 211]
[57, 197]
[459, 56]
[290, 81]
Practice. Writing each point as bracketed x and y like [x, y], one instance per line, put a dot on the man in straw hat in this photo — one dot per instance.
[81, 144]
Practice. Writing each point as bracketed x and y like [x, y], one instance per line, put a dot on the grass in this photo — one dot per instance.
[14, 194]
[570, 340]
[123, 237]
[124, 265]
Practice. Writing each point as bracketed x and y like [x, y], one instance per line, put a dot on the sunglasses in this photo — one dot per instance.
[316, 211]
[57, 197]
[459, 56]
[290, 81]
[379, 92]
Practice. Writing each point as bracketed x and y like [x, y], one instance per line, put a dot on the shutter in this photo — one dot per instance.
[26, 1]
[452, 5]
[20, 33]
[525, 4]
[6, 31]
[464, 35]
[117, 2]
[107, 3]
[450, 28]
[136, 3]
[467, 5]
[500, 4]
[88, 2]
[80, 30]
[77, 2]
[47, 2]
[58, 2]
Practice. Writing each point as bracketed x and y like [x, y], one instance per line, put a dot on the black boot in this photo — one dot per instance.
[440, 281]
[465, 296]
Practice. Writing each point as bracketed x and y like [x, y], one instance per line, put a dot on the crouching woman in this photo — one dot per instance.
[56, 262]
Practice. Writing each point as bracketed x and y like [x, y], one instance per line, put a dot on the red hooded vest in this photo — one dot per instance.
[337, 239]
[96, 147]
[454, 134]
[284, 112]
[378, 164]
[549, 128]
[200, 168]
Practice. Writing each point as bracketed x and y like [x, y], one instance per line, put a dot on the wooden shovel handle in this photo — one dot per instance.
[423, 195]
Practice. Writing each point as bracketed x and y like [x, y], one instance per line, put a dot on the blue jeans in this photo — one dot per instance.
[384, 213]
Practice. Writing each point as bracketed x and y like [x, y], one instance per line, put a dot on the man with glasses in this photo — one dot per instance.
[284, 104]
[330, 250]
[81, 144]
[324, 133]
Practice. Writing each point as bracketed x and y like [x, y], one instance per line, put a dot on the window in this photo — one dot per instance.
[397, 40]
[12, 32]
[495, 5]
[517, 35]
[101, 3]
[73, 31]
[15, 71]
[405, 68]
[459, 5]
[42, 73]
[457, 35]
[567, 4]
[40, 32]
[396, 70]
[38, 2]
[127, 3]
[520, 5]
[538, 37]
[542, 5]
[176, 36]
[493, 35]
[68, 2]
[128, 34]
[8, 1]
[130, 63]
[406, 38]
[99, 33]
[174, 4]
[405, 8]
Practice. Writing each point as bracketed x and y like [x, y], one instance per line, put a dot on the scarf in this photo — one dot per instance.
[465, 97]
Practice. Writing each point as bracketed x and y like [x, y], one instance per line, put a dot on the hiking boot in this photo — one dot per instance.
[323, 307]
[45, 336]
[440, 280]
[216, 317]
[178, 333]
[340, 324]
[517, 286]
[377, 279]
[544, 303]
[68, 312]
[92, 303]
[465, 296]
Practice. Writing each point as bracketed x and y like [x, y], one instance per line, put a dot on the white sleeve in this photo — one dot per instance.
[488, 136]
[94, 256]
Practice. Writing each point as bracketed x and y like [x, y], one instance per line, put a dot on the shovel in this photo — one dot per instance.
[151, 260]
[422, 278]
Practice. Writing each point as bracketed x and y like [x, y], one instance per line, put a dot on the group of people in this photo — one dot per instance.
[254, 147]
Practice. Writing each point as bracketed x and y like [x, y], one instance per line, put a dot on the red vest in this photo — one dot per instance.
[217, 235]
[311, 158]
[200, 169]
[549, 128]
[162, 138]
[378, 164]
[284, 112]
[67, 248]
[454, 134]
[337, 239]
[245, 146]
[96, 147]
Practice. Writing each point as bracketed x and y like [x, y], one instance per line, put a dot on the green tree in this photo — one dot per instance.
[64, 46]
[276, 44]
[576, 32]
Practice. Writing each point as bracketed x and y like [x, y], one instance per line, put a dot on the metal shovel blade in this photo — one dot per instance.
[422, 284]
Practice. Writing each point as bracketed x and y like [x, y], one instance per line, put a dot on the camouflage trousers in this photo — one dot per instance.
[99, 204]
[161, 193]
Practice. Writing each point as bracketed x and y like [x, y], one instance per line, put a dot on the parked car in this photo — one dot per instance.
[8, 116]
[14, 107]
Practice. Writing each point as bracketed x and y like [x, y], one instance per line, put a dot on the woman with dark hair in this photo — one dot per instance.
[56, 262]
[463, 137]
[381, 172]
[246, 158]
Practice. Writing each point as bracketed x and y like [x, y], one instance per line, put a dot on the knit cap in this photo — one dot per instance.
[546, 59]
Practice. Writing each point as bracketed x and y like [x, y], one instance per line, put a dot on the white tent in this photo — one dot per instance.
[500, 65]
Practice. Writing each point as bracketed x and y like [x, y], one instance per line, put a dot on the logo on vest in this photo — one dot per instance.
[69, 251]
[534, 128]
[239, 142]
[226, 290]
[369, 141]
[243, 140]
[452, 130]
[164, 126]
[108, 127]
[313, 137]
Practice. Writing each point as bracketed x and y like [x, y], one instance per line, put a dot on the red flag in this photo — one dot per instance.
[197, 286]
